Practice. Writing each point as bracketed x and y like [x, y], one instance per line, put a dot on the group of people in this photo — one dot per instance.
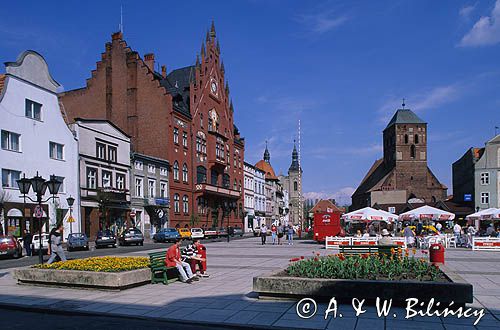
[277, 234]
[186, 260]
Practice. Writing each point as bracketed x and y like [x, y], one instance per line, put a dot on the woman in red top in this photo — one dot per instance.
[273, 233]
[173, 259]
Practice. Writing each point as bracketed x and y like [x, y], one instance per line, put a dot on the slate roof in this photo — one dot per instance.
[405, 116]
[177, 84]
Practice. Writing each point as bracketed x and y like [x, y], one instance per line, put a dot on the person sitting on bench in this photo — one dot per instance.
[173, 259]
[191, 254]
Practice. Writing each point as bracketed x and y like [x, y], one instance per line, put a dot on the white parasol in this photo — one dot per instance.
[427, 212]
[486, 214]
[368, 214]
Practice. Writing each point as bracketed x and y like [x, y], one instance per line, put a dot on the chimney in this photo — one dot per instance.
[149, 59]
[164, 71]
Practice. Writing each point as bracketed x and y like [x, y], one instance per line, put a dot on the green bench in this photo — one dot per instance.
[159, 271]
[351, 250]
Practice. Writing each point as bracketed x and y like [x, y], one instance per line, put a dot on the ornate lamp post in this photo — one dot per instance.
[70, 201]
[227, 208]
[40, 186]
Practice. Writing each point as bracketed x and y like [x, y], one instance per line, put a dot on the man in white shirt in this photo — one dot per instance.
[457, 230]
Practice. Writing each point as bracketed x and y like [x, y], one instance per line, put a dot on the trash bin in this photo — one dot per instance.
[436, 253]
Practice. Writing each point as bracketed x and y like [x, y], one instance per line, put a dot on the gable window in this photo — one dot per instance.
[151, 168]
[185, 139]
[91, 178]
[106, 179]
[485, 198]
[185, 204]
[56, 151]
[163, 171]
[33, 110]
[100, 150]
[176, 135]
[120, 181]
[176, 171]
[176, 203]
[201, 174]
[138, 187]
[138, 165]
[151, 188]
[10, 141]
[9, 178]
[485, 178]
[112, 154]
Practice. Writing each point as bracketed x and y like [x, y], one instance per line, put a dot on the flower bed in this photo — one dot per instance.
[100, 264]
[366, 266]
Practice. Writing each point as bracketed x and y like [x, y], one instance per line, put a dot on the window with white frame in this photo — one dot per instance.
[485, 198]
[163, 171]
[56, 151]
[152, 188]
[120, 181]
[91, 178]
[176, 170]
[184, 173]
[163, 189]
[10, 177]
[176, 135]
[33, 110]
[151, 168]
[185, 139]
[138, 165]
[485, 178]
[185, 204]
[139, 192]
[11, 141]
[107, 179]
[101, 151]
[112, 154]
[176, 203]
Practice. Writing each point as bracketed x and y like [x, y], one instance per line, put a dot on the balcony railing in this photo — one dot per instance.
[215, 190]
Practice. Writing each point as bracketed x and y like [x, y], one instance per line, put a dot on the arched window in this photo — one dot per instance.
[406, 138]
[176, 171]
[185, 204]
[184, 173]
[226, 181]
[214, 177]
[176, 203]
[235, 185]
[201, 174]
[416, 138]
[239, 186]
[412, 151]
[201, 116]
[295, 186]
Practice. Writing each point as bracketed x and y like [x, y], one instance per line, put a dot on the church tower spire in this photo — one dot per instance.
[267, 155]
[294, 167]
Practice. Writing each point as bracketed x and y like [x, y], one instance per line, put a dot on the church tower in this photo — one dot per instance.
[294, 185]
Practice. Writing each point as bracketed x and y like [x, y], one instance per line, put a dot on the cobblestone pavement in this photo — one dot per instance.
[226, 298]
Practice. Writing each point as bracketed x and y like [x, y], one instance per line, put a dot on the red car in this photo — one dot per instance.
[10, 246]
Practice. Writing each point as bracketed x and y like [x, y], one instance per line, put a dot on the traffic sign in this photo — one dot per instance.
[70, 219]
[38, 211]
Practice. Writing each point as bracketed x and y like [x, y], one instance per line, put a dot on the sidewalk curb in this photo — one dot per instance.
[221, 325]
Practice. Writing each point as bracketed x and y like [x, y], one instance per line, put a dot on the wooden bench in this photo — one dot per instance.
[160, 272]
[352, 250]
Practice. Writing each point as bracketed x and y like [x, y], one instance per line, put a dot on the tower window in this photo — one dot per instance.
[295, 186]
[416, 138]
[406, 138]
[412, 151]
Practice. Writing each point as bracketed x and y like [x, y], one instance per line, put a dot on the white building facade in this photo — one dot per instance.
[259, 198]
[35, 139]
[249, 186]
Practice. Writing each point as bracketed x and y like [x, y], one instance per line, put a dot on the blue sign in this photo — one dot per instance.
[467, 197]
[162, 201]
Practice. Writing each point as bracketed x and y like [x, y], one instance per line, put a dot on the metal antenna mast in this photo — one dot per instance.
[300, 183]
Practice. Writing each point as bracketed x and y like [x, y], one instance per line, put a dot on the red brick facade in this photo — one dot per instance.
[153, 107]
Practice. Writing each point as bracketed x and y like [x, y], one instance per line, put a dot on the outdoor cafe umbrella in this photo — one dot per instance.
[486, 214]
[428, 213]
[369, 214]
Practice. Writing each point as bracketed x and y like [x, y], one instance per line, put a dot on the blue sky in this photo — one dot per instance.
[341, 67]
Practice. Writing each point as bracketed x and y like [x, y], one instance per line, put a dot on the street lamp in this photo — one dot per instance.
[227, 208]
[70, 201]
[39, 185]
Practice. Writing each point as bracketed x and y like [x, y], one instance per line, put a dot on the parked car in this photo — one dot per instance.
[78, 241]
[105, 238]
[222, 232]
[35, 245]
[10, 246]
[256, 231]
[185, 233]
[197, 233]
[211, 233]
[131, 236]
[166, 235]
[237, 231]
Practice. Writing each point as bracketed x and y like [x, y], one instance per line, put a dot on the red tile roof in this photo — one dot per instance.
[267, 168]
[325, 204]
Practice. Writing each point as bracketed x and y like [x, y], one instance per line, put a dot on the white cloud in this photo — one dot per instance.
[466, 11]
[322, 22]
[486, 31]
[341, 196]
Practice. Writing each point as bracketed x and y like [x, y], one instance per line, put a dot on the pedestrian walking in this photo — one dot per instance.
[55, 244]
[457, 230]
[471, 231]
[27, 240]
[274, 234]
[280, 233]
[290, 235]
[263, 234]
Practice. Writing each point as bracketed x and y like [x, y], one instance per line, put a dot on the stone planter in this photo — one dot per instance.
[275, 286]
[82, 279]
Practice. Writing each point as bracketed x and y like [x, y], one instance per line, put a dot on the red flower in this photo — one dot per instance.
[318, 254]
[301, 257]
[341, 257]
[316, 259]
[294, 259]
